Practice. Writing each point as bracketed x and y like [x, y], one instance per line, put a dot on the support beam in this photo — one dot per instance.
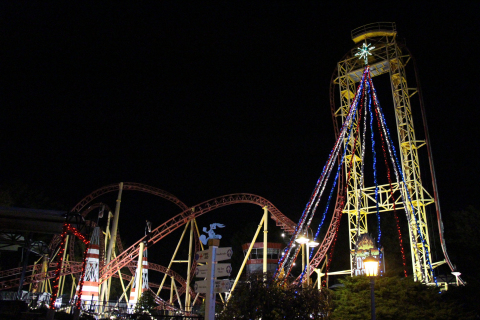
[189, 266]
[246, 257]
[172, 288]
[173, 258]
[124, 294]
[26, 254]
[62, 278]
[111, 244]
[265, 239]
[44, 271]
[139, 284]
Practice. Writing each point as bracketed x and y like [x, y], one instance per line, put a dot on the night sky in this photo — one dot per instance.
[203, 100]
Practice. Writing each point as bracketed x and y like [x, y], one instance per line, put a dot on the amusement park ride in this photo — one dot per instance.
[363, 139]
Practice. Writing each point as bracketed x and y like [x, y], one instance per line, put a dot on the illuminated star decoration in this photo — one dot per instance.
[364, 52]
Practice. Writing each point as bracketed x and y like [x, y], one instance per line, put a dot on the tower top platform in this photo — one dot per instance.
[376, 29]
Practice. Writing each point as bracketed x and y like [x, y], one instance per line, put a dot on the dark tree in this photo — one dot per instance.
[259, 299]
[398, 298]
[146, 303]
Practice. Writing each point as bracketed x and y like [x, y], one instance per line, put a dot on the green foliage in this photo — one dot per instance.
[146, 303]
[395, 298]
[256, 299]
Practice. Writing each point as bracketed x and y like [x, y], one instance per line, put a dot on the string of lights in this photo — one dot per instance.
[391, 190]
[362, 167]
[366, 94]
[286, 258]
[68, 228]
[399, 172]
[350, 167]
[58, 269]
[374, 154]
[346, 129]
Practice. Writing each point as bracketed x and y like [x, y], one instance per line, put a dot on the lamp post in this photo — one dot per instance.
[371, 270]
[309, 244]
[456, 274]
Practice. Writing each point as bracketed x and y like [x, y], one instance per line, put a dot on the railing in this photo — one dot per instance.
[372, 27]
[106, 309]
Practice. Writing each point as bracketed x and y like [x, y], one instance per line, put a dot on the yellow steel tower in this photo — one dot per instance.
[387, 58]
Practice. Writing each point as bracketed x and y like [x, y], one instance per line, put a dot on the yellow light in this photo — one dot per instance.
[301, 240]
[371, 266]
[313, 244]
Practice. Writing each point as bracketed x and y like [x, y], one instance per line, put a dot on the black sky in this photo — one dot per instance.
[203, 99]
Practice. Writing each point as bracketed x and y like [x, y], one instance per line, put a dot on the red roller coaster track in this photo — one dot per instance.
[129, 186]
[72, 267]
[182, 218]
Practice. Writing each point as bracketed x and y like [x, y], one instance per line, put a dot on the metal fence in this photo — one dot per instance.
[98, 309]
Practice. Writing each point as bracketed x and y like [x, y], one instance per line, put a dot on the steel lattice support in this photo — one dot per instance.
[354, 201]
[410, 163]
[182, 218]
[359, 199]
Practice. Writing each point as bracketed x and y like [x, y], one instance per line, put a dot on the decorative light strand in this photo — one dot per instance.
[362, 166]
[372, 135]
[355, 103]
[389, 142]
[351, 115]
[66, 228]
[395, 163]
[397, 221]
[332, 248]
[58, 268]
[286, 259]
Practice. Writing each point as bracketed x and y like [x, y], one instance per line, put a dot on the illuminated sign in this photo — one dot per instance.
[365, 247]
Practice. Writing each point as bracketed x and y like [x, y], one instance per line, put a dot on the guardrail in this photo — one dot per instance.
[374, 27]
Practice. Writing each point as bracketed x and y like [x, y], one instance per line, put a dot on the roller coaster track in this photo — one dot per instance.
[132, 186]
[126, 257]
[182, 218]
[72, 267]
[69, 267]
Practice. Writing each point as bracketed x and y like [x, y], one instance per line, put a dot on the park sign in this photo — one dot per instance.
[221, 254]
[224, 254]
[210, 286]
[221, 270]
[365, 247]
[202, 256]
[220, 286]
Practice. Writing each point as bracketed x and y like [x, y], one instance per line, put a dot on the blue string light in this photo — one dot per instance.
[351, 114]
[424, 246]
[374, 153]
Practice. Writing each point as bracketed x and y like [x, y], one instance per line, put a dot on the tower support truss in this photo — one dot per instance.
[387, 58]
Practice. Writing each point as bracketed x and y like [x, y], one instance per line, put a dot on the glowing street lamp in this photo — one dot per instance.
[310, 244]
[456, 274]
[302, 240]
[371, 266]
[371, 270]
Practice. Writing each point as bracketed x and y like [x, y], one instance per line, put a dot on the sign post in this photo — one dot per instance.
[210, 299]
[210, 272]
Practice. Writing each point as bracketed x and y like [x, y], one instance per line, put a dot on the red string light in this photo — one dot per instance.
[391, 188]
[66, 228]
[350, 167]
[58, 268]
